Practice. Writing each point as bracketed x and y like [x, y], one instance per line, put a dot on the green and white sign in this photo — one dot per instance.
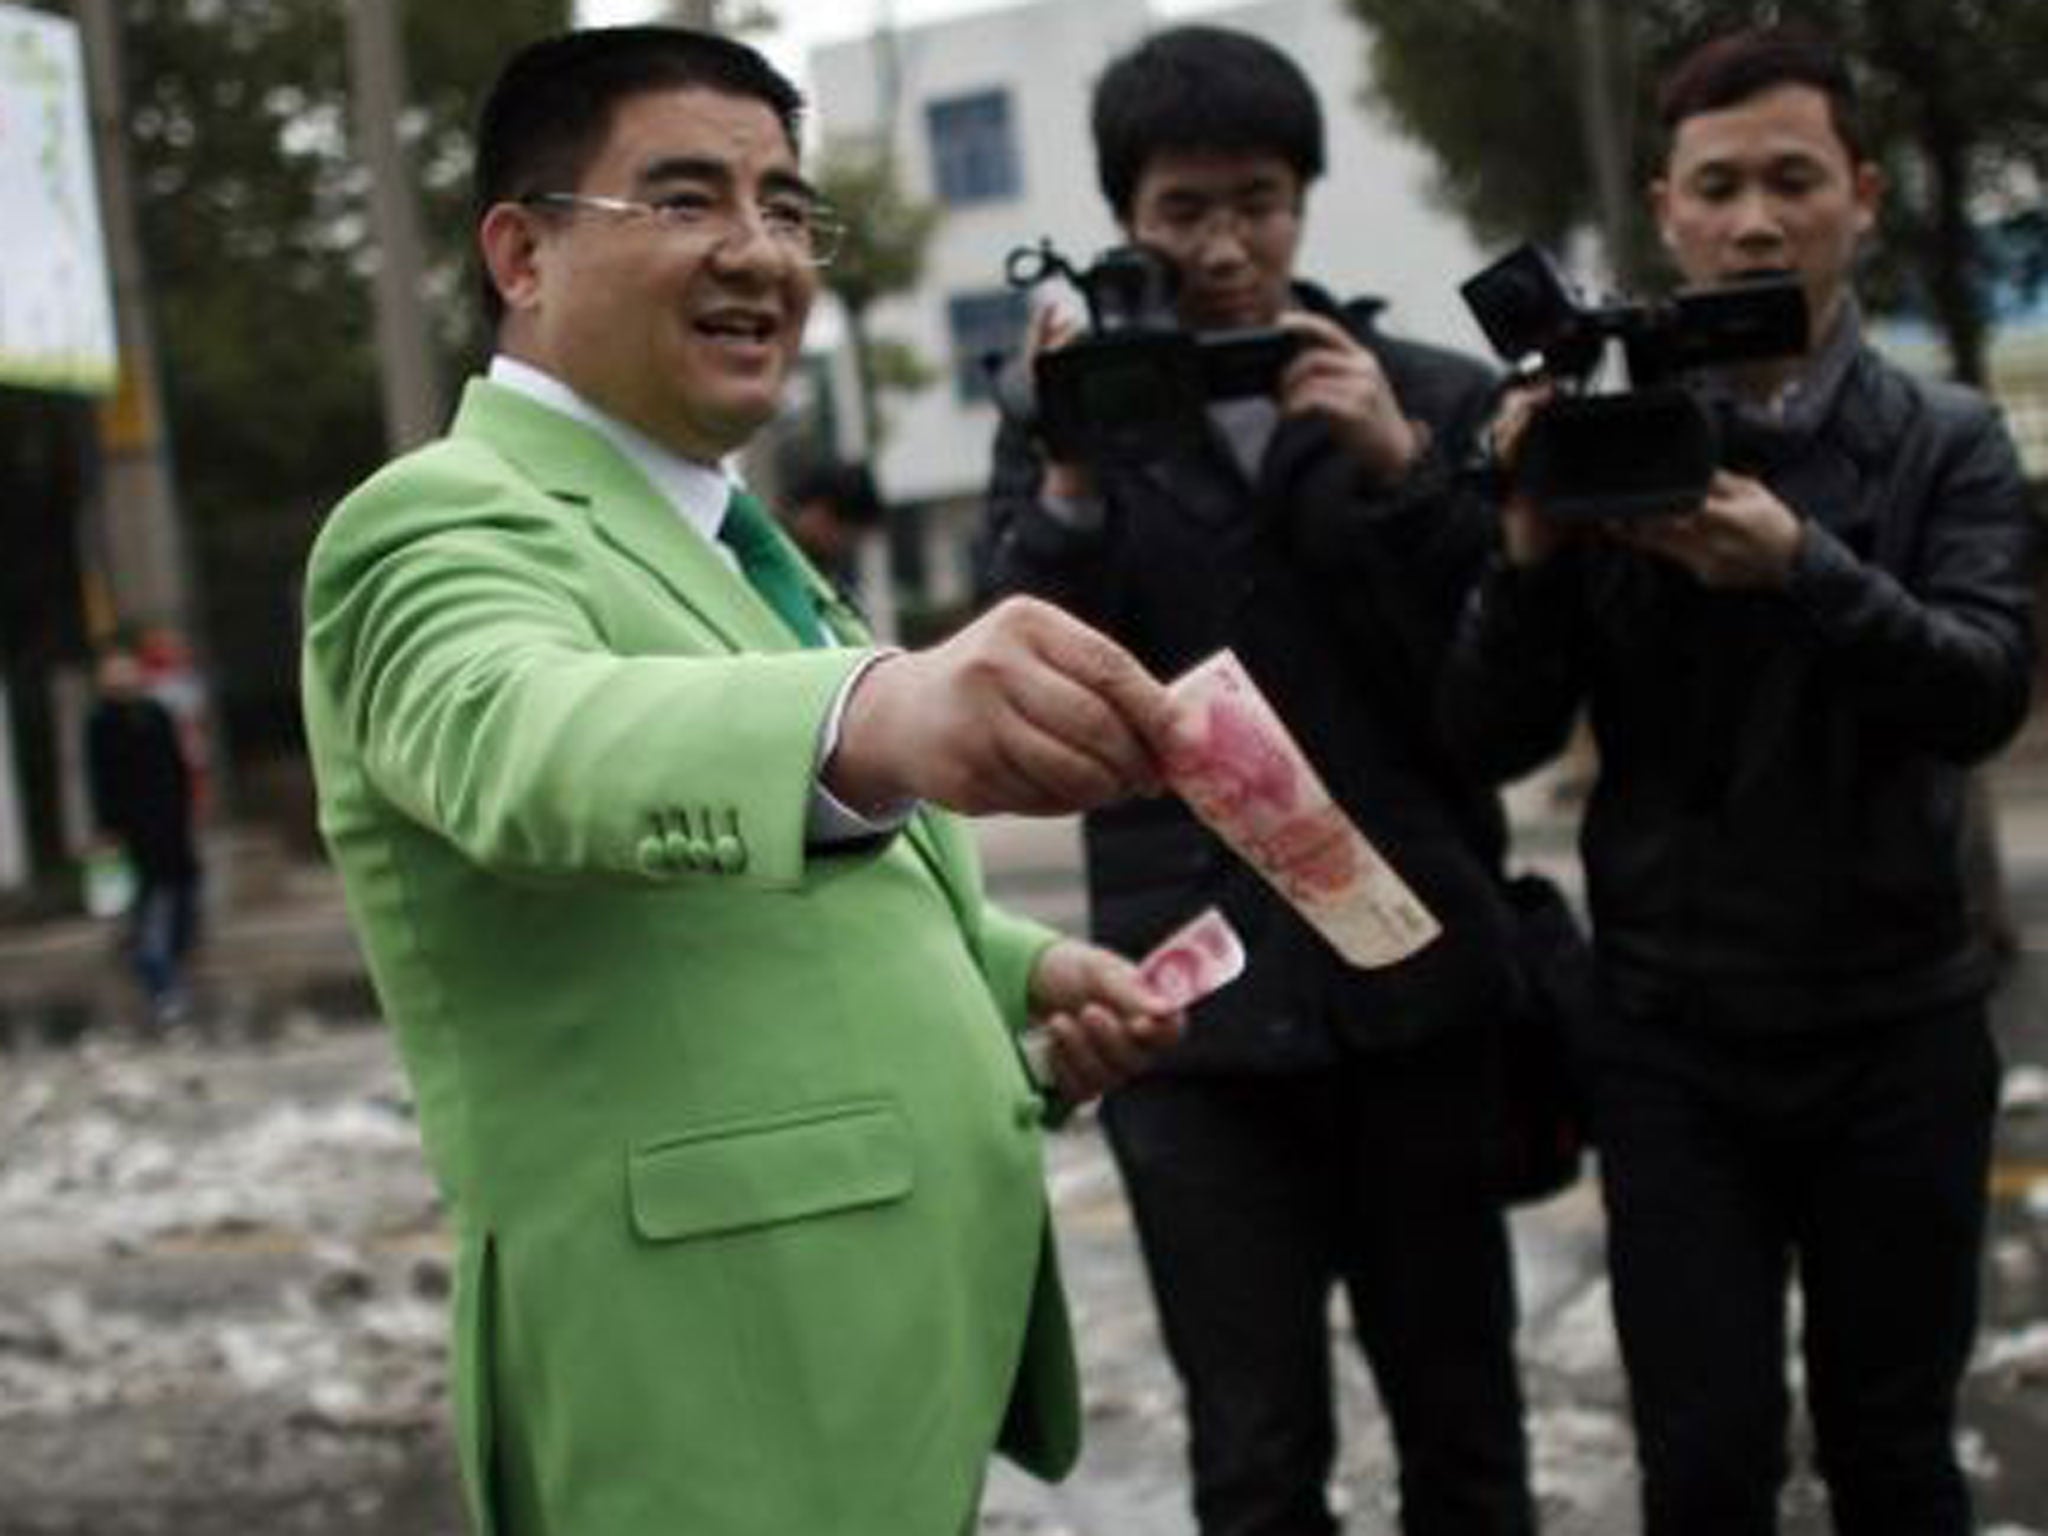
[56, 314]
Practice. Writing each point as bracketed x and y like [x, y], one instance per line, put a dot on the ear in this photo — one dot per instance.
[509, 241]
[1660, 202]
[1867, 186]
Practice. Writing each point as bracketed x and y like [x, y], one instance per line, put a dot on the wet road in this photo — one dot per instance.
[222, 1279]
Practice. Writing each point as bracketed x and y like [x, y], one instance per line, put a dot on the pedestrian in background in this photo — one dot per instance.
[834, 509]
[141, 788]
[1321, 1126]
[1793, 1077]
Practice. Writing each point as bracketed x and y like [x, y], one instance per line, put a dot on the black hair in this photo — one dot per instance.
[846, 487]
[1202, 89]
[547, 116]
[1730, 68]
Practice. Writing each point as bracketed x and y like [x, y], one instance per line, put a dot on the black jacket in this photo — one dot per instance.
[1777, 819]
[140, 786]
[1341, 600]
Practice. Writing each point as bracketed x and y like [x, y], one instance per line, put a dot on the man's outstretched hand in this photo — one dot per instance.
[1026, 710]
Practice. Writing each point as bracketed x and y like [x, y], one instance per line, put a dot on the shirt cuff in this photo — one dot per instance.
[830, 820]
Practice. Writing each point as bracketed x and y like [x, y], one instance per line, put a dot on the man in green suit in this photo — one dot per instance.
[713, 1037]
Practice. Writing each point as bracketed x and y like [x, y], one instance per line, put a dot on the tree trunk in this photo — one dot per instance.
[1948, 263]
[869, 404]
[1605, 126]
[413, 408]
[135, 503]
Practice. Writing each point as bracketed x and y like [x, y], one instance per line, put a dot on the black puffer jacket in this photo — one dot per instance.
[141, 786]
[1777, 818]
[1341, 600]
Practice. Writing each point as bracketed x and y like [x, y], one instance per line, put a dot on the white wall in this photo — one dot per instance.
[1046, 55]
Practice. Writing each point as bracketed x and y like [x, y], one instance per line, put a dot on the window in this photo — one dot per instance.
[974, 153]
[989, 322]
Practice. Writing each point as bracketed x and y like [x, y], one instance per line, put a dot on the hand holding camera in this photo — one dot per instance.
[1050, 329]
[1739, 536]
[1742, 537]
[1331, 374]
[1651, 449]
[1528, 537]
[1646, 465]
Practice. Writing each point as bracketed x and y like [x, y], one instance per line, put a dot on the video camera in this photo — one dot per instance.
[1138, 383]
[1652, 448]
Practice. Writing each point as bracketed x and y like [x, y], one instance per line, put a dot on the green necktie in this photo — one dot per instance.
[767, 563]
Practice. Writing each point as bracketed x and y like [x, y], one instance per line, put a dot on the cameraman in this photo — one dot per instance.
[1787, 688]
[1321, 1124]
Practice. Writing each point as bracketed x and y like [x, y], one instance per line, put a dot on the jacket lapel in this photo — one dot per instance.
[574, 464]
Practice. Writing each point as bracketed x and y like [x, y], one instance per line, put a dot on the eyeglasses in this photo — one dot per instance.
[802, 227]
[1193, 222]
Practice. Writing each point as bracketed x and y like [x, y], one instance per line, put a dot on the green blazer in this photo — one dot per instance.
[742, 1159]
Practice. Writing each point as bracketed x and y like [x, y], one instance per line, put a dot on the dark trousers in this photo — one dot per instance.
[1253, 1197]
[163, 926]
[1856, 1161]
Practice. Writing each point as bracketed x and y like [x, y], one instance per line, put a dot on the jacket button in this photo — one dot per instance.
[653, 855]
[731, 853]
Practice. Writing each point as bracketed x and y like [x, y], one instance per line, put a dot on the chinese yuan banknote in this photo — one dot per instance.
[1237, 767]
[1195, 959]
[1186, 966]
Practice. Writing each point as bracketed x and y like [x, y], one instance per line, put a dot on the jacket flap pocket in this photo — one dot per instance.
[755, 1173]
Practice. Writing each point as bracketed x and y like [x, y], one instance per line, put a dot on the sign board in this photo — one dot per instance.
[56, 312]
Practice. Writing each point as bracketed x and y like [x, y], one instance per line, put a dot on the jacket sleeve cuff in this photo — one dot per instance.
[1827, 582]
[1407, 506]
[831, 822]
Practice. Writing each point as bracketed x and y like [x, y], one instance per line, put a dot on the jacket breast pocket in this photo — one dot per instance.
[770, 1169]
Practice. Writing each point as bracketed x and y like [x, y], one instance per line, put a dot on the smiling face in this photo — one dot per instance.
[1767, 184]
[687, 334]
[1231, 222]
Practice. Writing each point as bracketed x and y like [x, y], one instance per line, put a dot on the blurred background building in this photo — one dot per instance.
[234, 276]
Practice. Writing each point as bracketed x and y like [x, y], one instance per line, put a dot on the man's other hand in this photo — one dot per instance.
[1026, 710]
[1103, 1023]
[1742, 537]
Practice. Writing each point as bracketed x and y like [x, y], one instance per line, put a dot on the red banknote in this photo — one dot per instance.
[1194, 960]
[1237, 767]
[1185, 967]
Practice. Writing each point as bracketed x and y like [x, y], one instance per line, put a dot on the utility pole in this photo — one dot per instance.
[1606, 131]
[133, 504]
[413, 407]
